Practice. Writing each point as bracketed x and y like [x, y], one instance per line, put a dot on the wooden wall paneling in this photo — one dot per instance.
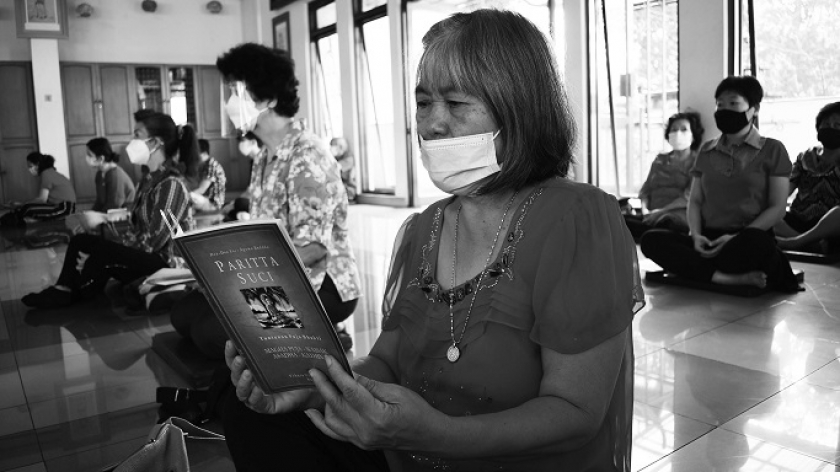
[210, 100]
[18, 131]
[17, 120]
[18, 184]
[79, 98]
[116, 96]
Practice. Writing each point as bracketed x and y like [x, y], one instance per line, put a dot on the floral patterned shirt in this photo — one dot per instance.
[300, 185]
[213, 171]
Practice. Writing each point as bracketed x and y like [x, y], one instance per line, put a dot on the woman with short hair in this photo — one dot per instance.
[505, 341]
[738, 193]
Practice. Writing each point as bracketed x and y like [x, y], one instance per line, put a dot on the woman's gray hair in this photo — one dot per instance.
[504, 60]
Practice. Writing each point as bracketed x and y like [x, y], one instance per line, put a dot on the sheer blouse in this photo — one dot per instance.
[566, 279]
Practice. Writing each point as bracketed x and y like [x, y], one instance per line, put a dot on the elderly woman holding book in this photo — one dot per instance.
[506, 339]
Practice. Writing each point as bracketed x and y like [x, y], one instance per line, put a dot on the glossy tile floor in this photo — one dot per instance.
[722, 383]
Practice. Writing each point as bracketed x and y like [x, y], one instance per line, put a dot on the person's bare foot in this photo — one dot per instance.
[754, 279]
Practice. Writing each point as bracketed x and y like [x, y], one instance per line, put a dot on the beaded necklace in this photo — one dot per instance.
[453, 353]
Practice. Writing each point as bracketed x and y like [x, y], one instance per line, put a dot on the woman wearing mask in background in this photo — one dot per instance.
[738, 193]
[56, 196]
[813, 222]
[664, 194]
[114, 188]
[91, 260]
[296, 182]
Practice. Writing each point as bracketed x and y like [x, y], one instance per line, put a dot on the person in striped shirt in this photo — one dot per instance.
[91, 260]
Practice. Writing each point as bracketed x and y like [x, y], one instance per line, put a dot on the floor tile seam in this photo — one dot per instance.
[141, 440]
[91, 446]
[103, 389]
[782, 446]
[681, 447]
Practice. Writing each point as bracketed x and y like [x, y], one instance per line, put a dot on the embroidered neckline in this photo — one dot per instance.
[501, 265]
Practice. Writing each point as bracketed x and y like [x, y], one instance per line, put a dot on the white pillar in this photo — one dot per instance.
[576, 77]
[704, 46]
[49, 102]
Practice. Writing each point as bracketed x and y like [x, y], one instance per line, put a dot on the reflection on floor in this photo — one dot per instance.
[722, 383]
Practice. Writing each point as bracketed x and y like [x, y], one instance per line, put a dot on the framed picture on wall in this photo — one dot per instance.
[278, 4]
[282, 32]
[41, 18]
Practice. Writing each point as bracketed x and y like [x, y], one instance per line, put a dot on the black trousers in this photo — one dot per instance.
[289, 442]
[45, 211]
[193, 318]
[106, 260]
[750, 250]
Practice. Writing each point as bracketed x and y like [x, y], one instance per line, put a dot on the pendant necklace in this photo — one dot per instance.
[453, 353]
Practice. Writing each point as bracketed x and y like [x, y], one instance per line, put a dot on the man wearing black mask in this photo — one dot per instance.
[813, 222]
[738, 194]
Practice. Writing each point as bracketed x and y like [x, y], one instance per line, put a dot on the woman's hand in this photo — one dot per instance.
[702, 245]
[717, 245]
[371, 414]
[254, 398]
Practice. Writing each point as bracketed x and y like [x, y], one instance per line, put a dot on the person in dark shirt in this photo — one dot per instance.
[738, 193]
[114, 188]
[664, 194]
[56, 196]
[813, 221]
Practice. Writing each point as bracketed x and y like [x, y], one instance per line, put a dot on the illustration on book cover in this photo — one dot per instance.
[271, 307]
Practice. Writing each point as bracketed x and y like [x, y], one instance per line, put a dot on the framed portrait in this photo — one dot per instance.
[281, 32]
[278, 4]
[41, 18]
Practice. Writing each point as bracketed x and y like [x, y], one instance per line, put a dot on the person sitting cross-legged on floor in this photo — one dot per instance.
[56, 195]
[91, 260]
[812, 224]
[114, 188]
[664, 195]
[209, 196]
[738, 192]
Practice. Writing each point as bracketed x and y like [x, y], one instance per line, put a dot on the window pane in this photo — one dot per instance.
[325, 16]
[327, 85]
[368, 5]
[149, 94]
[798, 66]
[377, 108]
[422, 15]
[644, 89]
[182, 95]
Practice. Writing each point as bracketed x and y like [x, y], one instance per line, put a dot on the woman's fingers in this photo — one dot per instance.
[230, 353]
[320, 422]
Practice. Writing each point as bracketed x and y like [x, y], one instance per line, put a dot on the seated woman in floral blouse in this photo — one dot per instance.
[813, 221]
[296, 181]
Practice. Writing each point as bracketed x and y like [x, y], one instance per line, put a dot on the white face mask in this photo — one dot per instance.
[138, 152]
[455, 165]
[247, 149]
[242, 109]
[680, 140]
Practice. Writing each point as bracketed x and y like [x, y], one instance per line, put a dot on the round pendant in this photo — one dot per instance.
[453, 353]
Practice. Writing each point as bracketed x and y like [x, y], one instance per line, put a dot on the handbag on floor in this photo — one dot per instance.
[166, 448]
